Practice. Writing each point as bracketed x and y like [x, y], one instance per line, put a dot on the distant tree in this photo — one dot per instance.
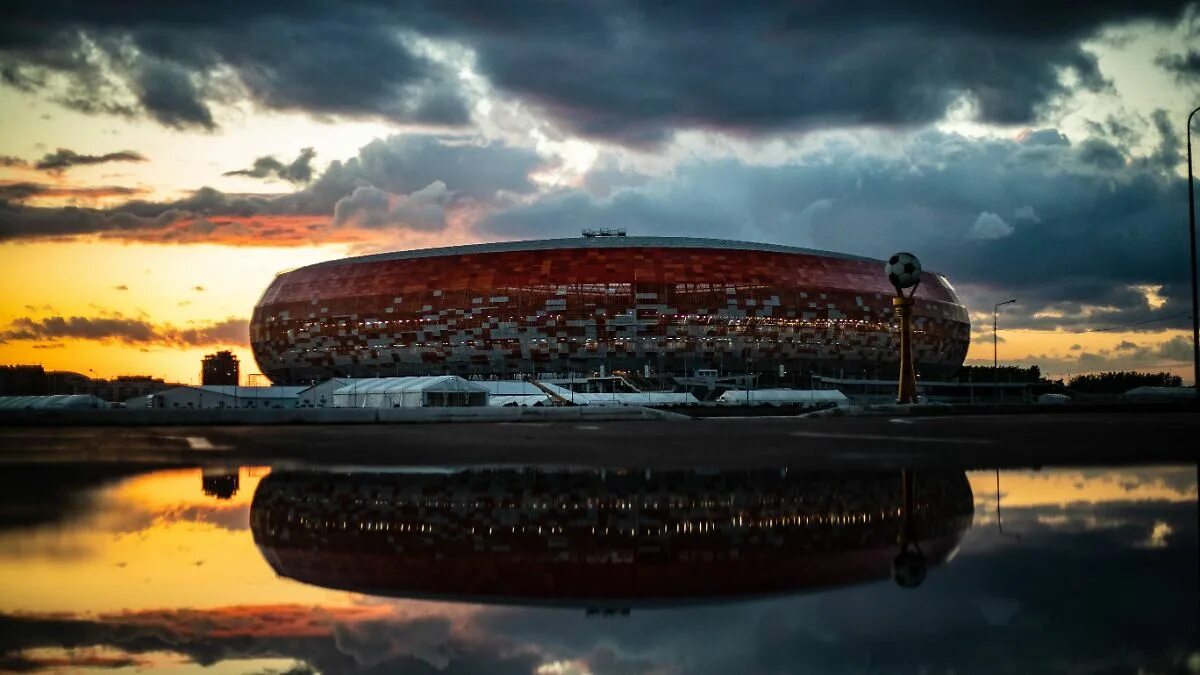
[1002, 374]
[1121, 382]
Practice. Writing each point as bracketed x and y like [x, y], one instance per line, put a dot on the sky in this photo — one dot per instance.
[160, 162]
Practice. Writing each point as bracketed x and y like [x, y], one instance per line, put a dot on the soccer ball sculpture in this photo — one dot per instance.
[903, 270]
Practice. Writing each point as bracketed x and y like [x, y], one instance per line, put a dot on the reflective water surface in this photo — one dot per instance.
[556, 570]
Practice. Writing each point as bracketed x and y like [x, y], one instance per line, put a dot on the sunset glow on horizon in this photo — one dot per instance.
[131, 175]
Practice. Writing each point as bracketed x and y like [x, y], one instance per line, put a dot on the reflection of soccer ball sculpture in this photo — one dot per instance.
[909, 569]
[903, 270]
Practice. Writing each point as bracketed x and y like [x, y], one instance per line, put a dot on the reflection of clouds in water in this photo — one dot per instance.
[1073, 594]
[1064, 486]
[76, 524]
[1159, 535]
[1089, 586]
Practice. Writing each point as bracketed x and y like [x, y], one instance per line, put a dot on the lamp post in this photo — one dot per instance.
[1192, 251]
[995, 337]
[996, 348]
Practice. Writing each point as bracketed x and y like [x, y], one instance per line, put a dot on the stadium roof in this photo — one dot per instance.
[586, 243]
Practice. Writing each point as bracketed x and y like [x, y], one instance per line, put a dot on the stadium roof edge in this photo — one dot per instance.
[581, 243]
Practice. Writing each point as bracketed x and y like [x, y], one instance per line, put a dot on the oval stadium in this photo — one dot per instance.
[663, 305]
[629, 537]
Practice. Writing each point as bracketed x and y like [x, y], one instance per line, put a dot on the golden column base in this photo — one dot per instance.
[908, 379]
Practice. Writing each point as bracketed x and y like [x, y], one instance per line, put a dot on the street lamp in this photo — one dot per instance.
[995, 344]
[1192, 251]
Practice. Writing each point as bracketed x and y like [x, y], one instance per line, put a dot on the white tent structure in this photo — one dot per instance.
[1159, 394]
[513, 393]
[409, 392]
[55, 402]
[317, 396]
[642, 398]
[504, 401]
[780, 397]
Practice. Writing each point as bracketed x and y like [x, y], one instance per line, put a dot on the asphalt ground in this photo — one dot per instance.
[960, 441]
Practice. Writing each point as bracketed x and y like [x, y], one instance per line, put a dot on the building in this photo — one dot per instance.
[214, 396]
[23, 381]
[219, 482]
[600, 304]
[220, 368]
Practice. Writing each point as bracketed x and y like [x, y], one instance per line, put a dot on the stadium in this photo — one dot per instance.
[528, 536]
[666, 307]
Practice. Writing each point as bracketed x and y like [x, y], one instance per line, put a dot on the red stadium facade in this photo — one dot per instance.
[575, 305]
[628, 537]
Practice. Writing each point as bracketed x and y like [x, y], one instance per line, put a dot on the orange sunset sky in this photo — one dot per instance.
[138, 230]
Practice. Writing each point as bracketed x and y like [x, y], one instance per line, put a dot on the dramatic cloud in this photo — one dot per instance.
[990, 226]
[633, 73]
[174, 63]
[19, 192]
[1185, 66]
[300, 171]
[126, 330]
[372, 208]
[63, 159]
[7, 161]
[419, 177]
[1035, 218]
[617, 70]
[170, 95]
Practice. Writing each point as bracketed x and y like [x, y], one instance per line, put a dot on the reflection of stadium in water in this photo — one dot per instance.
[527, 536]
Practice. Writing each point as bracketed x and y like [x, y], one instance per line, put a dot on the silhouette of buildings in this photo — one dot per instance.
[221, 483]
[23, 381]
[220, 368]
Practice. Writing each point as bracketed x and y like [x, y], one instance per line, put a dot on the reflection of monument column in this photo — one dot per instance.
[909, 567]
[908, 379]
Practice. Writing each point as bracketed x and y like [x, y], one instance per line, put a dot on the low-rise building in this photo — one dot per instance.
[219, 396]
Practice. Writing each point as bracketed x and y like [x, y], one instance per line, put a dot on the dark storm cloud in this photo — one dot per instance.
[299, 171]
[635, 72]
[17, 192]
[126, 330]
[7, 161]
[1062, 226]
[63, 159]
[403, 182]
[169, 94]
[1185, 66]
[172, 62]
[624, 70]
[405, 163]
